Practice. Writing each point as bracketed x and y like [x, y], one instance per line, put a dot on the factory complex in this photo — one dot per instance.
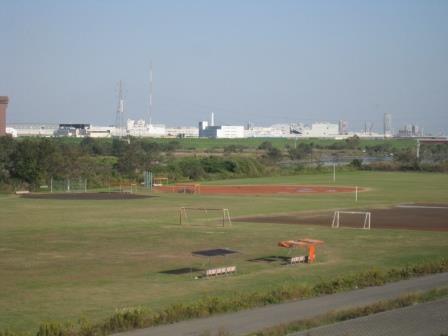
[205, 129]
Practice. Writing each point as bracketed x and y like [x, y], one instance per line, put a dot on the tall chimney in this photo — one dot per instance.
[3, 105]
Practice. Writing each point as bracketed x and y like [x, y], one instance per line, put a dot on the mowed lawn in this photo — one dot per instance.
[65, 260]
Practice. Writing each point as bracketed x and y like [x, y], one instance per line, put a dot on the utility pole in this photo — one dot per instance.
[418, 149]
[334, 172]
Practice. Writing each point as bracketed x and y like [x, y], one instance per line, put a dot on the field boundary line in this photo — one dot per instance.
[421, 207]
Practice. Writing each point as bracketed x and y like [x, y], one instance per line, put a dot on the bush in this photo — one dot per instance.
[55, 329]
[128, 318]
[265, 145]
[356, 163]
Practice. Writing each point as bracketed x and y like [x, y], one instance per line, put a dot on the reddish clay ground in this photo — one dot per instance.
[255, 189]
[429, 217]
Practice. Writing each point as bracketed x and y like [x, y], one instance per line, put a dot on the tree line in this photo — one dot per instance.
[31, 162]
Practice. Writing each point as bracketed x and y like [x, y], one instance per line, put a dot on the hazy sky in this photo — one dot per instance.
[258, 61]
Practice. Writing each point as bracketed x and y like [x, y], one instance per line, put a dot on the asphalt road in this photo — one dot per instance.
[246, 321]
[420, 320]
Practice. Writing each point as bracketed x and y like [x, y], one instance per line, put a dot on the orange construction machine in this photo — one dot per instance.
[307, 243]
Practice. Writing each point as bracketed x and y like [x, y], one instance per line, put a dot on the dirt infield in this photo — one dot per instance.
[255, 189]
[426, 217]
[86, 196]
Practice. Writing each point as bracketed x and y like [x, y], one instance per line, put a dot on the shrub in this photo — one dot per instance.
[56, 329]
[356, 163]
[265, 145]
[128, 318]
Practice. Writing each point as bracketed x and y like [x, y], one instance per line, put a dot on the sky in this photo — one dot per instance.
[254, 61]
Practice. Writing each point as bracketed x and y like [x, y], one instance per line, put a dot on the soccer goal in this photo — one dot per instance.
[193, 188]
[67, 185]
[205, 217]
[353, 217]
[122, 187]
[159, 181]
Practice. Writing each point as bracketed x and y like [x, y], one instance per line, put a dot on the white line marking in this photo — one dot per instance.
[421, 207]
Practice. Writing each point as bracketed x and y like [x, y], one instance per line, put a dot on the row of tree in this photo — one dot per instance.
[32, 162]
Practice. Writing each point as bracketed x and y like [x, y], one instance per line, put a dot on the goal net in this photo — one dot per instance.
[193, 188]
[353, 219]
[159, 181]
[67, 185]
[122, 187]
[219, 217]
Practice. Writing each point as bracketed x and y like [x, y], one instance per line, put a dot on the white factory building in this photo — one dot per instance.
[139, 128]
[274, 131]
[221, 131]
[182, 132]
[100, 131]
[316, 130]
[33, 129]
[12, 132]
[207, 130]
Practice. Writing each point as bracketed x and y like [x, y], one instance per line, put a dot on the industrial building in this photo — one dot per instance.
[72, 130]
[83, 130]
[100, 131]
[139, 128]
[219, 132]
[410, 131]
[317, 130]
[32, 129]
[3, 105]
[273, 131]
[182, 132]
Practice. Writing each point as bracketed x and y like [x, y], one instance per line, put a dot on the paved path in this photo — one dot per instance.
[421, 320]
[246, 321]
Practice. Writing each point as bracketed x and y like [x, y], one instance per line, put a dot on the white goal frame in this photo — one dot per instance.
[184, 219]
[335, 224]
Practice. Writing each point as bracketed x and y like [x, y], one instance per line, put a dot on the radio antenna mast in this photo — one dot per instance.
[150, 95]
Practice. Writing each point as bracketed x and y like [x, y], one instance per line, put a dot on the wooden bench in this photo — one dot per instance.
[298, 259]
[220, 271]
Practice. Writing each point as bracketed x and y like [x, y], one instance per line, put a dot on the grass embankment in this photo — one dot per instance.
[133, 318]
[62, 260]
[349, 314]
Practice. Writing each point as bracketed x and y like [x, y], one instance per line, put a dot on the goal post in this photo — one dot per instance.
[219, 217]
[365, 218]
[159, 181]
[78, 184]
[187, 188]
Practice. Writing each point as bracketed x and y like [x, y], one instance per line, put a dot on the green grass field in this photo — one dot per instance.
[63, 260]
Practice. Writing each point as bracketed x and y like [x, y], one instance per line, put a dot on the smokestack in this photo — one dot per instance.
[387, 124]
[3, 105]
[212, 119]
